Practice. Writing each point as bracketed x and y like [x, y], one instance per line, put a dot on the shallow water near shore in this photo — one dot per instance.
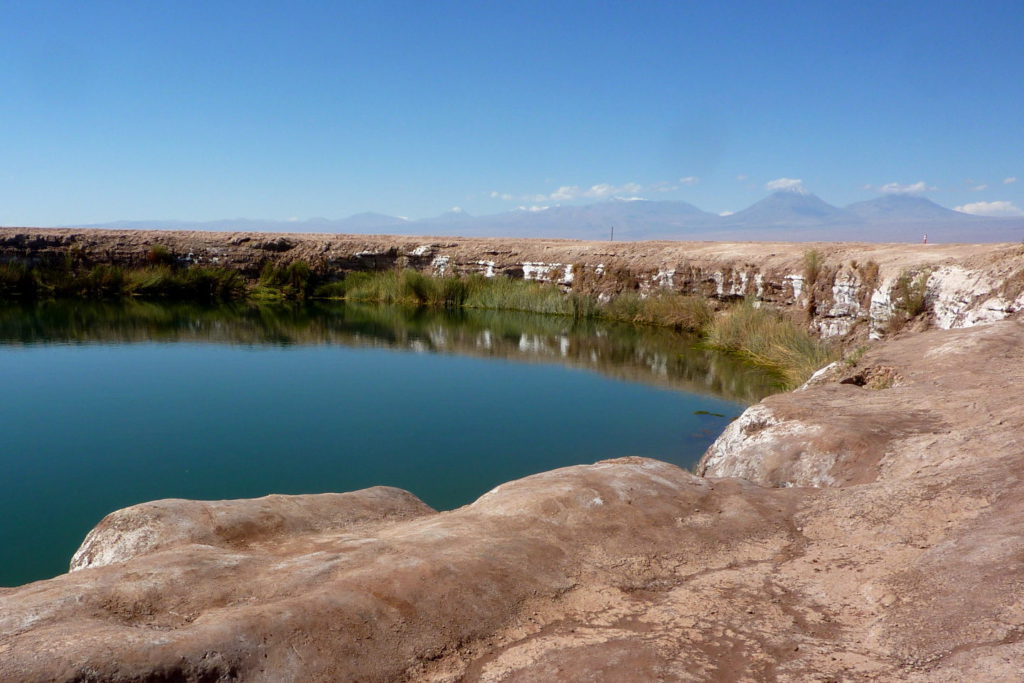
[108, 405]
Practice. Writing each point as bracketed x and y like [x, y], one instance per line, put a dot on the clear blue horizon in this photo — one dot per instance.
[200, 111]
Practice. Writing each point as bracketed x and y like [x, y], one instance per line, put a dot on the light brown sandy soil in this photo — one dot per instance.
[241, 248]
[881, 537]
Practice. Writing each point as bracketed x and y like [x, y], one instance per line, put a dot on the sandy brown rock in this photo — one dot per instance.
[546, 564]
[148, 527]
[935, 401]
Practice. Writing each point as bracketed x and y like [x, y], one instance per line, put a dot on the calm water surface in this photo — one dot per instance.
[105, 406]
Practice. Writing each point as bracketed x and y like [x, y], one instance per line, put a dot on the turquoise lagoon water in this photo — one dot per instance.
[105, 406]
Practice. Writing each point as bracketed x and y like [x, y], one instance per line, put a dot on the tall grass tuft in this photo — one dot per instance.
[812, 266]
[909, 299]
[667, 309]
[16, 280]
[502, 293]
[910, 293]
[377, 287]
[197, 282]
[292, 281]
[769, 339]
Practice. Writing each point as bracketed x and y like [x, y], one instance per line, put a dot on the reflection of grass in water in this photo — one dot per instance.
[651, 355]
[756, 335]
[768, 340]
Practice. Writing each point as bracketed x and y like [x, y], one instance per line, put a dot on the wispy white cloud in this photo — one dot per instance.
[456, 209]
[1009, 181]
[726, 213]
[741, 177]
[912, 188]
[605, 190]
[689, 180]
[567, 193]
[979, 188]
[786, 185]
[563, 193]
[994, 209]
[534, 209]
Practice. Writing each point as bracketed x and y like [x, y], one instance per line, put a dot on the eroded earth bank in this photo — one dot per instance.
[869, 525]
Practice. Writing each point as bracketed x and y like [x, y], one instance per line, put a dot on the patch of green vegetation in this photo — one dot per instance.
[665, 309]
[502, 293]
[413, 288]
[293, 281]
[910, 293]
[909, 299]
[74, 278]
[15, 280]
[194, 283]
[410, 287]
[330, 290]
[769, 339]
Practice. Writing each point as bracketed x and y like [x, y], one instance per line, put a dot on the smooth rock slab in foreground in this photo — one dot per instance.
[630, 569]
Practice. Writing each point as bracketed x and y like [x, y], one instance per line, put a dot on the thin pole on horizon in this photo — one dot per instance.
[612, 237]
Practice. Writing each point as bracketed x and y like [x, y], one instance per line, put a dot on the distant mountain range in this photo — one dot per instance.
[782, 216]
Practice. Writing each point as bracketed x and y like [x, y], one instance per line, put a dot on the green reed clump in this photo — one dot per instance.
[295, 280]
[377, 287]
[666, 309]
[453, 292]
[195, 282]
[16, 280]
[73, 278]
[911, 292]
[771, 340]
[909, 299]
[414, 288]
[330, 290]
[503, 293]
[102, 282]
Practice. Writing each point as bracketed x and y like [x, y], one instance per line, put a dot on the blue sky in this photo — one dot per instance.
[208, 110]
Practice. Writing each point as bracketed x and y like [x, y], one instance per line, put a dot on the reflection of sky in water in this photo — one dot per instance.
[94, 427]
[644, 354]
